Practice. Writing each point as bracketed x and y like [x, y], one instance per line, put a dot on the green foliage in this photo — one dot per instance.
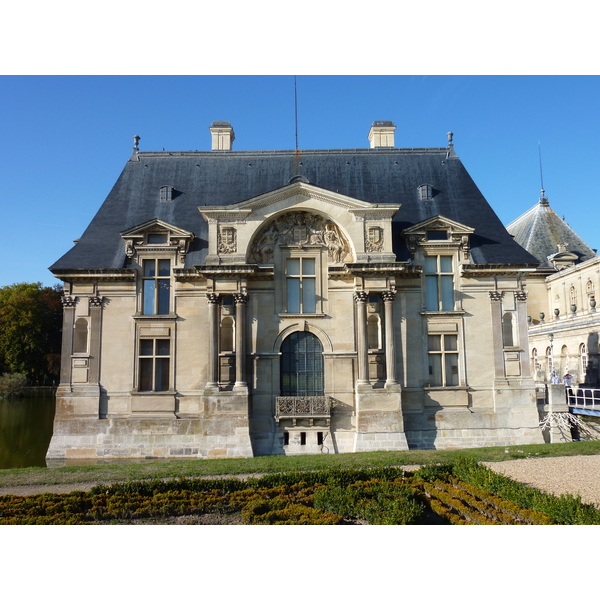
[377, 502]
[564, 509]
[30, 331]
[12, 384]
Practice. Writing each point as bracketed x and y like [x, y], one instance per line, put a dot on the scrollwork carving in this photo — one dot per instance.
[300, 229]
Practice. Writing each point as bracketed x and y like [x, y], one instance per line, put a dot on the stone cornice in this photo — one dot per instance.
[85, 275]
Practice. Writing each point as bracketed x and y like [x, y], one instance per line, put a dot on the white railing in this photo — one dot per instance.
[578, 397]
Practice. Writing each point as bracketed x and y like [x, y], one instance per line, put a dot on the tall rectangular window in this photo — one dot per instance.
[156, 286]
[443, 360]
[439, 283]
[154, 365]
[301, 284]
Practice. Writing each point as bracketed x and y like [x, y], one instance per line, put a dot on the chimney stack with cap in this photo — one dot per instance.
[222, 135]
[381, 134]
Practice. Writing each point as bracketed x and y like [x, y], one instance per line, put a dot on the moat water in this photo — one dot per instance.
[26, 429]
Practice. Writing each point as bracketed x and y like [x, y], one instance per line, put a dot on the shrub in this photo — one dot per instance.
[12, 384]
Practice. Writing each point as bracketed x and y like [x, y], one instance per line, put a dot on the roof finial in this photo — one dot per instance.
[450, 136]
[136, 143]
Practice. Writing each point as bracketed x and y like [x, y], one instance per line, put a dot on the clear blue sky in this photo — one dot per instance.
[67, 138]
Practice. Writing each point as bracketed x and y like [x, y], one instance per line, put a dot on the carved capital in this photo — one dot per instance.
[68, 301]
[213, 298]
[388, 296]
[361, 297]
[521, 296]
[496, 296]
[95, 301]
[240, 298]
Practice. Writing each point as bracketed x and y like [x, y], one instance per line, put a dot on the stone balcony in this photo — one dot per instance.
[303, 408]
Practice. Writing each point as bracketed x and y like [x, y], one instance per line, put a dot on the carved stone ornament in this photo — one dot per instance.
[361, 297]
[521, 296]
[95, 301]
[240, 298]
[300, 229]
[226, 240]
[374, 239]
[212, 298]
[388, 296]
[496, 296]
[68, 301]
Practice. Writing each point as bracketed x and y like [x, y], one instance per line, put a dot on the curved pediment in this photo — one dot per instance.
[299, 229]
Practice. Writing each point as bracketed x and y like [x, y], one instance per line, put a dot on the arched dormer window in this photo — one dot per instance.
[166, 193]
[425, 192]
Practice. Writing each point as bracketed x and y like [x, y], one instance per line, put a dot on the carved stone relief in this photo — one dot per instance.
[300, 229]
[374, 239]
[227, 242]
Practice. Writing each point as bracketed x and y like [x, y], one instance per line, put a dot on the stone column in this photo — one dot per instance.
[523, 337]
[240, 341]
[213, 340]
[95, 330]
[390, 346]
[362, 347]
[68, 303]
[496, 306]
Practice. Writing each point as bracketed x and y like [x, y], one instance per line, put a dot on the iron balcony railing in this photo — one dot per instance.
[302, 407]
[584, 398]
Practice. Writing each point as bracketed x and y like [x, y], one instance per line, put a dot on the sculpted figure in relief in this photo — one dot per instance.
[300, 229]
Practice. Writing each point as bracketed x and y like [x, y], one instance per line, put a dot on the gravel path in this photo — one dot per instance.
[577, 475]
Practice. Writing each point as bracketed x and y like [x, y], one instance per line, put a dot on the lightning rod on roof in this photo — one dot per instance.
[543, 198]
[296, 111]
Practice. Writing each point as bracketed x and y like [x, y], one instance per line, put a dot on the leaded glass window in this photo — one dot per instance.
[302, 365]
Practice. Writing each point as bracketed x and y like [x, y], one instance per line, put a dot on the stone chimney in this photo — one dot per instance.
[381, 134]
[222, 135]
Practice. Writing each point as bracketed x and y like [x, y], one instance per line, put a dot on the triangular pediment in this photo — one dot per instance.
[156, 225]
[301, 190]
[439, 222]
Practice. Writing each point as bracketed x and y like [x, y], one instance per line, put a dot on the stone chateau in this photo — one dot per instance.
[230, 303]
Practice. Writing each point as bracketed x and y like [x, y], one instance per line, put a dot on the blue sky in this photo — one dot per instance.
[67, 138]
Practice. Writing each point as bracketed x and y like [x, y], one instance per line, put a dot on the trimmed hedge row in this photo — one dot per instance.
[461, 493]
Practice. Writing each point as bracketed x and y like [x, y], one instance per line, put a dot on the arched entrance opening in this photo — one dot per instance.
[301, 365]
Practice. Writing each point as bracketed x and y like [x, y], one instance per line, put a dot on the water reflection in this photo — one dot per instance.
[26, 429]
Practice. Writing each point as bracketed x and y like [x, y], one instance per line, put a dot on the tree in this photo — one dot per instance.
[30, 331]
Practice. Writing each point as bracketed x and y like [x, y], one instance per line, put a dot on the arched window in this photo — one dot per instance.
[549, 360]
[227, 335]
[507, 329]
[373, 332]
[535, 363]
[564, 360]
[80, 339]
[583, 357]
[302, 365]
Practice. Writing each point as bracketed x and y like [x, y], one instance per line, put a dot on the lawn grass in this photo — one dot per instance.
[127, 471]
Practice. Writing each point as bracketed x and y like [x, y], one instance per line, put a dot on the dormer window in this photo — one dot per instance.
[425, 192]
[166, 193]
[158, 238]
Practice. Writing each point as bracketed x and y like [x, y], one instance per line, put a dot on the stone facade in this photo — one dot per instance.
[303, 319]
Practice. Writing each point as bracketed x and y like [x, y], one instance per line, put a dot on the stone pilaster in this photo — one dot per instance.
[390, 344]
[496, 308]
[68, 303]
[213, 342]
[95, 303]
[240, 342]
[362, 347]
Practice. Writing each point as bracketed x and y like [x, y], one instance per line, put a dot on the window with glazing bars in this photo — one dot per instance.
[154, 365]
[439, 283]
[302, 365]
[301, 283]
[156, 287]
[443, 360]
